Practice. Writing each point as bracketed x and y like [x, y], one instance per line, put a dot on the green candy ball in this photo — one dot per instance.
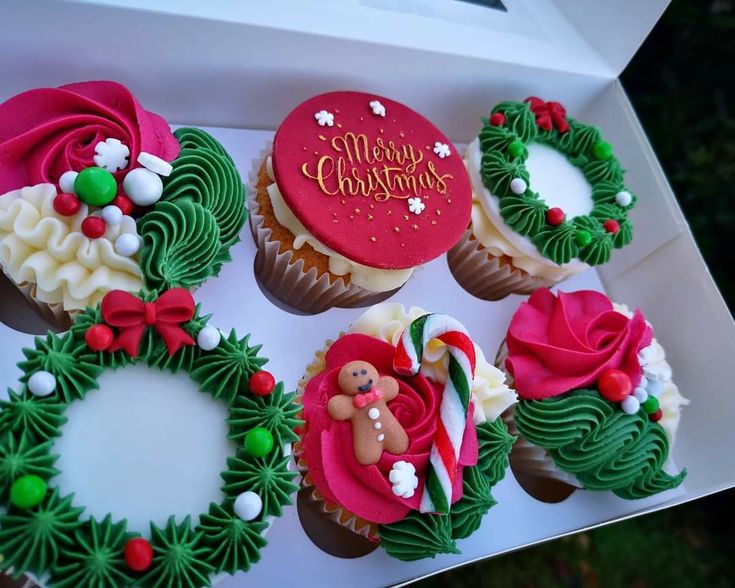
[258, 442]
[602, 150]
[583, 238]
[95, 186]
[650, 405]
[515, 148]
[27, 491]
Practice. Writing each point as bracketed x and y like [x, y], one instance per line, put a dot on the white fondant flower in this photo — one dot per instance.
[378, 108]
[112, 155]
[441, 149]
[404, 480]
[415, 205]
[324, 118]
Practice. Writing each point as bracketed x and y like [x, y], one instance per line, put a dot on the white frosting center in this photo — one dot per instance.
[146, 445]
[558, 182]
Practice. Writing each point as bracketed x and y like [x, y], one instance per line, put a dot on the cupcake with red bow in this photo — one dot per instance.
[548, 201]
[403, 438]
[97, 194]
[597, 405]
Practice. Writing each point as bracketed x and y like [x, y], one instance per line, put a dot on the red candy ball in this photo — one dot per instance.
[611, 226]
[99, 337]
[656, 416]
[93, 227]
[123, 203]
[555, 216]
[262, 383]
[138, 554]
[497, 119]
[614, 385]
[67, 204]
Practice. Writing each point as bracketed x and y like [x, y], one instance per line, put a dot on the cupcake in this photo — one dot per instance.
[597, 405]
[97, 194]
[403, 438]
[548, 201]
[358, 192]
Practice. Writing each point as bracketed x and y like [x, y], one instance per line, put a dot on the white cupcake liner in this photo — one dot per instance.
[53, 313]
[484, 276]
[528, 459]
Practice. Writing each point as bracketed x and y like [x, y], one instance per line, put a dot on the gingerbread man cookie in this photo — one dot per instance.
[363, 401]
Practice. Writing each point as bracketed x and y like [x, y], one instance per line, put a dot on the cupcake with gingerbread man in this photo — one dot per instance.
[402, 439]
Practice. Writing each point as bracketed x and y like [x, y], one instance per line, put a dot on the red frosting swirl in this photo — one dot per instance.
[558, 344]
[327, 443]
[48, 131]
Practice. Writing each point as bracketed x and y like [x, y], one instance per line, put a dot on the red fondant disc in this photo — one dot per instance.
[350, 183]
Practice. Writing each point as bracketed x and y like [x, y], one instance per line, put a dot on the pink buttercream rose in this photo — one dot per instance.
[327, 444]
[48, 131]
[558, 344]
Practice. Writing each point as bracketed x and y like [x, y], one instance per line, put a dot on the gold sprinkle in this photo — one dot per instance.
[339, 125]
[373, 239]
[304, 148]
[322, 138]
[357, 211]
[389, 212]
[370, 217]
[405, 217]
[382, 131]
[335, 220]
[372, 206]
[342, 201]
[438, 212]
[361, 118]
[403, 244]
[449, 200]
[334, 214]
[401, 134]
[415, 227]
[316, 153]
[428, 147]
[336, 111]
[433, 222]
[352, 217]
[397, 229]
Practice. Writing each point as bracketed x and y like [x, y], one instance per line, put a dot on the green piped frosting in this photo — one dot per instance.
[224, 371]
[32, 539]
[603, 447]
[494, 445]
[19, 457]
[526, 213]
[466, 515]
[95, 559]
[70, 361]
[267, 476]
[51, 540]
[276, 412]
[233, 544]
[180, 245]
[418, 536]
[193, 138]
[179, 557]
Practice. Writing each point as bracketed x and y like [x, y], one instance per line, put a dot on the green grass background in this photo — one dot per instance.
[681, 83]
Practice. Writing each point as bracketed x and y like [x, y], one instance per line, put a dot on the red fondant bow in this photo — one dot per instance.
[362, 400]
[132, 316]
[549, 114]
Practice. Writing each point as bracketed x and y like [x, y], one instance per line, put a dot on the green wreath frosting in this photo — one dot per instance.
[46, 534]
[589, 238]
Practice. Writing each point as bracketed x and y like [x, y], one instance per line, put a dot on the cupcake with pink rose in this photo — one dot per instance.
[597, 408]
[403, 438]
[97, 194]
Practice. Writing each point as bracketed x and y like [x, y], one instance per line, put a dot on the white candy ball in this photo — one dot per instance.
[143, 187]
[655, 388]
[66, 181]
[248, 506]
[127, 244]
[42, 383]
[623, 198]
[208, 338]
[112, 215]
[641, 394]
[518, 185]
[155, 164]
[630, 405]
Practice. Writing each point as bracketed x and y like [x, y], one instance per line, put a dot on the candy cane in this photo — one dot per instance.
[442, 469]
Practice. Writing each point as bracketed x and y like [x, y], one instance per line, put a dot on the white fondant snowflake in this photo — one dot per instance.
[324, 118]
[441, 149]
[112, 155]
[404, 480]
[415, 205]
[378, 108]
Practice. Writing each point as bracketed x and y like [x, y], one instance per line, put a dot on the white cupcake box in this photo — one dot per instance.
[238, 67]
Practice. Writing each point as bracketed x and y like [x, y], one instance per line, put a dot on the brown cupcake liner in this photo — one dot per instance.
[487, 276]
[288, 279]
[528, 459]
[334, 512]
